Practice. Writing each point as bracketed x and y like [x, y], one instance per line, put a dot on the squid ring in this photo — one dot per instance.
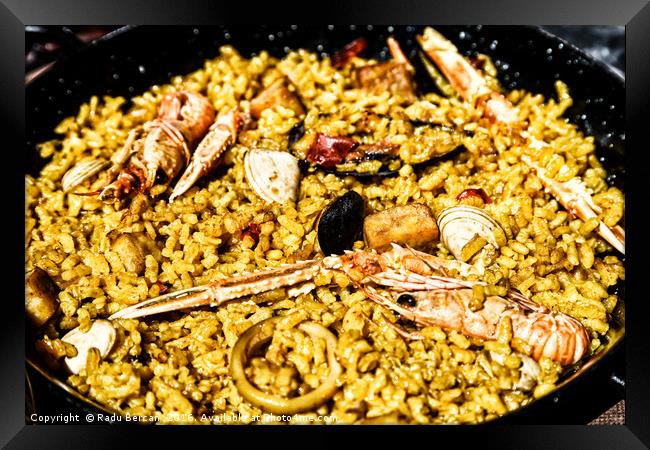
[261, 333]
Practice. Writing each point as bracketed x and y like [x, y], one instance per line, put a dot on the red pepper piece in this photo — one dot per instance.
[472, 192]
[162, 287]
[253, 230]
[328, 151]
[348, 52]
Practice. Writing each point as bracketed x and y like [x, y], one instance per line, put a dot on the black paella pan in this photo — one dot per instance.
[129, 60]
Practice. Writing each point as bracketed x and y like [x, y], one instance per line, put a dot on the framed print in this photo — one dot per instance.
[406, 225]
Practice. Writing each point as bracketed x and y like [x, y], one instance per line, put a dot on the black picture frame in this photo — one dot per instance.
[15, 14]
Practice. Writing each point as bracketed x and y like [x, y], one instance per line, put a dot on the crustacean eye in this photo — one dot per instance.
[406, 299]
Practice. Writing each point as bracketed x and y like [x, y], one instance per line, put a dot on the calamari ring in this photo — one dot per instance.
[261, 333]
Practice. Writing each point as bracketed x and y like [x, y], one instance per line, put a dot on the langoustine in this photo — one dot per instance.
[161, 145]
[438, 298]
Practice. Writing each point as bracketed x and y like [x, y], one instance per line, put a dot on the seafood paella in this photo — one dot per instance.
[321, 239]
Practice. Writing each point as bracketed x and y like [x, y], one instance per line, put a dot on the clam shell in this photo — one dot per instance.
[460, 224]
[529, 371]
[101, 336]
[80, 172]
[273, 175]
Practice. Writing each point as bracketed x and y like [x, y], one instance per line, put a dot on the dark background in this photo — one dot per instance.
[47, 44]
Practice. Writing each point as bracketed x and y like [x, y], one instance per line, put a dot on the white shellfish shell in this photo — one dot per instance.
[273, 175]
[101, 336]
[459, 224]
[80, 172]
[529, 371]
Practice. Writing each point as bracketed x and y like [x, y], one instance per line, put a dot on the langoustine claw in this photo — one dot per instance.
[221, 135]
[574, 197]
[439, 299]
[397, 53]
[464, 78]
[221, 291]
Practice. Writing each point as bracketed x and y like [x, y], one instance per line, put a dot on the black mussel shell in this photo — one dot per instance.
[296, 133]
[383, 172]
[341, 223]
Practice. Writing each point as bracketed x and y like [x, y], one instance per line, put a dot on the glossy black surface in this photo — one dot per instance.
[341, 224]
[127, 63]
[604, 42]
